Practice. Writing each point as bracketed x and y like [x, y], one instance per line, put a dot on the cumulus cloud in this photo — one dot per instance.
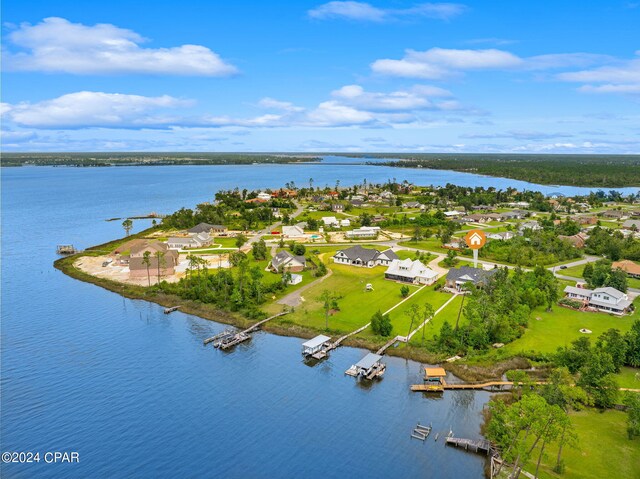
[57, 45]
[361, 11]
[518, 135]
[417, 98]
[439, 63]
[621, 77]
[95, 109]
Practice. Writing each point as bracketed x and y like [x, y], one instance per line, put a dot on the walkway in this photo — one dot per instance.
[294, 298]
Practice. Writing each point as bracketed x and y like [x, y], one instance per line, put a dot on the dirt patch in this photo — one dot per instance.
[486, 372]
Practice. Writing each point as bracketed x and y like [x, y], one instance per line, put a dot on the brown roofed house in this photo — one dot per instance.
[629, 267]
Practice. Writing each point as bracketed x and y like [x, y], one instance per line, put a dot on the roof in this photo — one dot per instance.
[410, 269]
[610, 291]
[468, 273]
[435, 372]
[627, 266]
[631, 224]
[365, 254]
[368, 361]
[317, 341]
[292, 230]
[205, 228]
[148, 245]
[578, 291]
[284, 257]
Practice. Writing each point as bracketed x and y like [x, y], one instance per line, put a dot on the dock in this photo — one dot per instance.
[488, 386]
[230, 338]
[480, 446]
[317, 348]
[171, 309]
[66, 249]
[421, 432]
[368, 367]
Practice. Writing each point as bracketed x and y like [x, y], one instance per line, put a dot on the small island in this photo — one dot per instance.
[549, 308]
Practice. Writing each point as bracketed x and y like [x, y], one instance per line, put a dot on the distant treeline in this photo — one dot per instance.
[148, 159]
[606, 171]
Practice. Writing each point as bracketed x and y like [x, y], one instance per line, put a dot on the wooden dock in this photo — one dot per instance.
[480, 446]
[66, 249]
[171, 309]
[489, 386]
[229, 338]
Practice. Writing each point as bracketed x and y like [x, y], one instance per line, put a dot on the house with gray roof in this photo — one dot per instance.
[364, 257]
[285, 261]
[458, 277]
[207, 228]
[606, 300]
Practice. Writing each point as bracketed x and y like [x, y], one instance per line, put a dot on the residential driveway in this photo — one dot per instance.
[295, 298]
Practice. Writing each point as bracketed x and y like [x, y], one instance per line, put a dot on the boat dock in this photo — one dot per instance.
[229, 338]
[66, 249]
[317, 348]
[480, 446]
[368, 367]
[488, 386]
[171, 309]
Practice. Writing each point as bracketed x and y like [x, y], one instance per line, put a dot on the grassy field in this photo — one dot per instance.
[356, 306]
[629, 377]
[605, 454]
[431, 244]
[561, 326]
[450, 314]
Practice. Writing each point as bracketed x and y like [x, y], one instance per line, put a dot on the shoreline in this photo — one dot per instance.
[209, 312]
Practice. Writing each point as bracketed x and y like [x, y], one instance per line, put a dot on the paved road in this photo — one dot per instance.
[270, 228]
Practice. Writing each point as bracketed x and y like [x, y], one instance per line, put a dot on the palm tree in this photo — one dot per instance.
[311, 184]
[127, 225]
[160, 259]
[146, 260]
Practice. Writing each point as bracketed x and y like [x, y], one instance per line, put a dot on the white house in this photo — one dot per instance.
[331, 221]
[364, 257]
[192, 241]
[264, 196]
[295, 279]
[453, 214]
[346, 223]
[293, 232]
[503, 236]
[607, 300]
[408, 271]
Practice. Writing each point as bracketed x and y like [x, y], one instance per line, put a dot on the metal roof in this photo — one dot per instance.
[368, 361]
[317, 341]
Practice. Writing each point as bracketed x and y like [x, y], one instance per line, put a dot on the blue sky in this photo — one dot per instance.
[536, 77]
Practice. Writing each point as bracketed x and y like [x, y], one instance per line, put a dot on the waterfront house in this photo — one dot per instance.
[207, 228]
[632, 269]
[458, 277]
[408, 271]
[192, 241]
[168, 259]
[364, 257]
[285, 261]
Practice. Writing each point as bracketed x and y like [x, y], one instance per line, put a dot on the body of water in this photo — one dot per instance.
[135, 392]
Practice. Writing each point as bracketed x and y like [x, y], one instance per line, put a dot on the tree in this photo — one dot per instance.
[240, 240]
[127, 225]
[329, 301]
[160, 261]
[632, 339]
[404, 291]
[632, 401]
[298, 249]
[146, 260]
[413, 313]
[259, 250]
[236, 257]
[451, 259]
[381, 324]
[612, 342]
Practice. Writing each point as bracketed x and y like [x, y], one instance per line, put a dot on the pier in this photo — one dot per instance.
[421, 432]
[66, 249]
[171, 309]
[229, 338]
[488, 386]
[480, 446]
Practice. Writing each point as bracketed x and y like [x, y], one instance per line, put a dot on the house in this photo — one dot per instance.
[478, 218]
[632, 224]
[412, 204]
[503, 236]
[162, 260]
[330, 221]
[606, 300]
[585, 220]
[207, 228]
[513, 215]
[530, 225]
[632, 269]
[192, 241]
[364, 257]
[577, 240]
[453, 214]
[276, 212]
[293, 232]
[615, 214]
[408, 271]
[345, 223]
[458, 277]
[519, 204]
[337, 207]
[285, 261]
[357, 203]
[263, 196]
[362, 233]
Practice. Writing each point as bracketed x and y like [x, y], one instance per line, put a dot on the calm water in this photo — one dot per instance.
[136, 393]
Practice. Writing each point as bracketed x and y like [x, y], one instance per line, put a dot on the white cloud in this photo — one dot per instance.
[95, 109]
[416, 98]
[278, 105]
[611, 88]
[57, 45]
[361, 11]
[620, 77]
[438, 63]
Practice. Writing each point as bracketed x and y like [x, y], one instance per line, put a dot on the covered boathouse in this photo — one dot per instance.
[315, 345]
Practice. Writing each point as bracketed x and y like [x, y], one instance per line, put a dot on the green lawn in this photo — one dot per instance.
[629, 377]
[450, 314]
[356, 306]
[562, 325]
[603, 450]
[431, 244]
[576, 272]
